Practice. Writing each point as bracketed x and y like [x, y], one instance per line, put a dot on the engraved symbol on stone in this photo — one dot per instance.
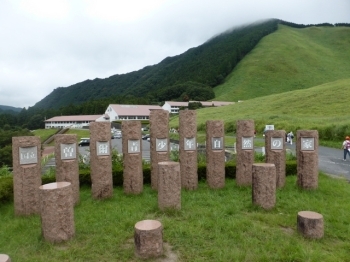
[133, 146]
[247, 143]
[161, 144]
[28, 155]
[68, 151]
[217, 143]
[276, 143]
[102, 148]
[307, 144]
[190, 143]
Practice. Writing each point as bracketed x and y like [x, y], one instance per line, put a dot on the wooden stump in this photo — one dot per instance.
[57, 211]
[4, 258]
[310, 224]
[148, 238]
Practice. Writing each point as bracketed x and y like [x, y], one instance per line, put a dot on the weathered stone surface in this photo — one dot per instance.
[215, 153]
[188, 149]
[4, 258]
[245, 151]
[101, 160]
[310, 224]
[307, 159]
[275, 148]
[264, 185]
[148, 239]
[132, 157]
[169, 185]
[67, 163]
[159, 129]
[57, 211]
[26, 177]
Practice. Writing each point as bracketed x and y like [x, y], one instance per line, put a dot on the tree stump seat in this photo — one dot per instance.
[148, 239]
[310, 224]
[4, 258]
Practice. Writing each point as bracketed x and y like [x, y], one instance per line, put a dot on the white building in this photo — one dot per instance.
[73, 121]
[129, 112]
[173, 107]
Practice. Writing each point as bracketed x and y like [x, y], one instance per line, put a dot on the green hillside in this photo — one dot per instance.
[289, 59]
[322, 107]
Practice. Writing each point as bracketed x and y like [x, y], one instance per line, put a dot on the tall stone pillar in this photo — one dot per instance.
[26, 174]
[132, 157]
[215, 153]
[67, 164]
[188, 149]
[276, 154]
[307, 159]
[245, 152]
[101, 160]
[159, 147]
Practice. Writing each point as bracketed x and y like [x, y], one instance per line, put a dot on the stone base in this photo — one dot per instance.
[148, 238]
[310, 224]
[4, 258]
[264, 185]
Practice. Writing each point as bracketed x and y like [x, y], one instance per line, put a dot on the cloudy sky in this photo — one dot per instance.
[47, 44]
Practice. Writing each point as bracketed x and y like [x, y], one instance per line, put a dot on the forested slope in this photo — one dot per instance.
[290, 59]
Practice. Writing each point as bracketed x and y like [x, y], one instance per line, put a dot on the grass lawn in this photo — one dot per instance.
[212, 225]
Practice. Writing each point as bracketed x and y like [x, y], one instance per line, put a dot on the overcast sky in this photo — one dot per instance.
[47, 44]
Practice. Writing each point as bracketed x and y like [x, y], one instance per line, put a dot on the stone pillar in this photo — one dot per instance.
[159, 147]
[307, 159]
[215, 153]
[132, 157]
[310, 224]
[67, 163]
[276, 154]
[245, 151]
[26, 174]
[188, 149]
[4, 258]
[169, 185]
[101, 160]
[57, 211]
[264, 185]
[148, 239]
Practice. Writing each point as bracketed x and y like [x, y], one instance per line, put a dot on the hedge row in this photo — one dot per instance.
[6, 183]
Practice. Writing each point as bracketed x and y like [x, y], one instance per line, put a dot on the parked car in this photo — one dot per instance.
[144, 137]
[117, 135]
[84, 142]
[144, 129]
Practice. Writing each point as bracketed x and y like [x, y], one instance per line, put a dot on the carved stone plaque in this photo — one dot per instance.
[133, 146]
[102, 148]
[307, 143]
[276, 143]
[161, 145]
[217, 143]
[28, 155]
[190, 143]
[247, 143]
[68, 151]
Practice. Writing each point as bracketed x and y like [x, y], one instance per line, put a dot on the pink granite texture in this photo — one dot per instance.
[169, 185]
[26, 177]
[264, 185]
[310, 224]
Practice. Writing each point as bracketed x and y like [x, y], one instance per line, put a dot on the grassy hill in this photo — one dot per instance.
[289, 59]
[321, 107]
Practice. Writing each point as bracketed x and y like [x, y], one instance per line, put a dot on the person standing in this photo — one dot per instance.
[290, 137]
[346, 147]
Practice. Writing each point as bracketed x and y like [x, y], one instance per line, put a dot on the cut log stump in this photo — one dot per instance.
[310, 224]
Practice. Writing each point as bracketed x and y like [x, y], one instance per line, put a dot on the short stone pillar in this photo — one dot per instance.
[26, 174]
[307, 159]
[264, 185]
[276, 154]
[67, 164]
[132, 157]
[169, 185]
[57, 211]
[310, 224]
[215, 153]
[4, 258]
[101, 160]
[245, 152]
[148, 239]
[159, 143]
[188, 149]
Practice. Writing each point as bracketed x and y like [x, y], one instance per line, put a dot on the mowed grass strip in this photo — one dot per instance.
[212, 225]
